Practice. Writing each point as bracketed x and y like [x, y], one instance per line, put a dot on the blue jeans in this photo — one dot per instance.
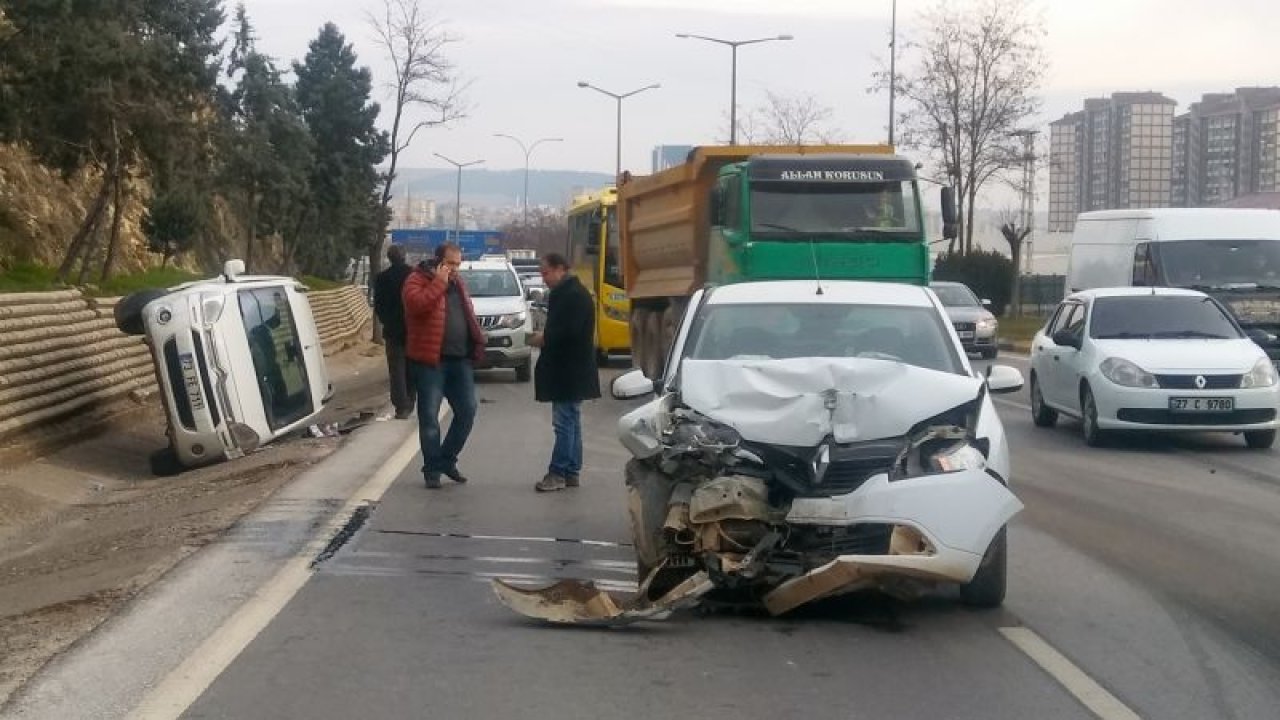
[566, 456]
[454, 380]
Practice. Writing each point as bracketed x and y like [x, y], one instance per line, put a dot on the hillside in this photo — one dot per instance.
[493, 188]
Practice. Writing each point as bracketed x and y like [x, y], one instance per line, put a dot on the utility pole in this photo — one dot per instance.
[618, 97]
[733, 72]
[527, 150]
[457, 201]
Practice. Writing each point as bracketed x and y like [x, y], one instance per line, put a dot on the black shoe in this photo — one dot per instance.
[404, 414]
[456, 476]
[571, 480]
[432, 481]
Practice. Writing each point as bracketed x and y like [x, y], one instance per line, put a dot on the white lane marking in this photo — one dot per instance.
[1085, 689]
[187, 682]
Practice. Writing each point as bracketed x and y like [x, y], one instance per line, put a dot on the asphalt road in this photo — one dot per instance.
[1142, 583]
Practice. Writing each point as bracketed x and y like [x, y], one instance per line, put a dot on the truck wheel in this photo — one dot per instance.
[988, 586]
[128, 312]
[164, 462]
[654, 349]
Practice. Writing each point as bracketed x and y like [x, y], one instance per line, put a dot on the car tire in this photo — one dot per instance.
[602, 358]
[524, 371]
[128, 312]
[1042, 415]
[989, 585]
[1093, 437]
[1260, 439]
[648, 492]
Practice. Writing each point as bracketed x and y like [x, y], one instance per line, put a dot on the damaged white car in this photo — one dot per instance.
[808, 440]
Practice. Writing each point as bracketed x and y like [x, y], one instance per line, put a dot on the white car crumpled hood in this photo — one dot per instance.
[786, 402]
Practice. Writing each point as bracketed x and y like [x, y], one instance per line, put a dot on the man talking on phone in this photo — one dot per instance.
[444, 341]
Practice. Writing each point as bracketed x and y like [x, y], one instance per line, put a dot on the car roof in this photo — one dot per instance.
[1134, 292]
[834, 292]
[486, 265]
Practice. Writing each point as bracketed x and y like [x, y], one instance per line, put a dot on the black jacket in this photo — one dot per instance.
[387, 302]
[566, 369]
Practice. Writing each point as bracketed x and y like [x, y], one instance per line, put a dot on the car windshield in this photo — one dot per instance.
[1151, 317]
[913, 335]
[955, 296]
[833, 208]
[1221, 264]
[490, 283]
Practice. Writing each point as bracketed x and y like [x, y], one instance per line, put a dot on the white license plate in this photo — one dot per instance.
[965, 334]
[1202, 404]
[192, 383]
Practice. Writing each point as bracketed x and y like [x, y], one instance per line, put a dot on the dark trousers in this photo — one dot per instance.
[402, 399]
[453, 380]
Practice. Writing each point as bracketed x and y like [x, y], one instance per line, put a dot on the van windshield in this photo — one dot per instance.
[1221, 264]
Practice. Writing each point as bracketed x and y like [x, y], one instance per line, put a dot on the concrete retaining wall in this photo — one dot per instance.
[61, 354]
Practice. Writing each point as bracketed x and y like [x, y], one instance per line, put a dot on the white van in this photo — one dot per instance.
[237, 358]
[1231, 254]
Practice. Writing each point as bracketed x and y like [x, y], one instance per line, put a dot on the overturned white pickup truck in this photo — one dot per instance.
[807, 440]
[238, 361]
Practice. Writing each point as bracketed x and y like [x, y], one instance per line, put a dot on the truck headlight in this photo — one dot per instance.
[513, 321]
[1262, 375]
[1126, 374]
[614, 313]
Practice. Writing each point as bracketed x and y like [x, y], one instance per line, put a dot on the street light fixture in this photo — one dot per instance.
[528, 150]
[617, 173]
[733, 86]
[457, 198]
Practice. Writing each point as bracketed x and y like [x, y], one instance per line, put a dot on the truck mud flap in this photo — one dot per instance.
[578, 602]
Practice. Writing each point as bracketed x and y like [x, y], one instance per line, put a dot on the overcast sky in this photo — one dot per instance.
[524, 58]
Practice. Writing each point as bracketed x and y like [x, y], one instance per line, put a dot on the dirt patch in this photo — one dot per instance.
[85, 529]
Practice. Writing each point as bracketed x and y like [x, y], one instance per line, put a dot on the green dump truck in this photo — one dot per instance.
[739, 213]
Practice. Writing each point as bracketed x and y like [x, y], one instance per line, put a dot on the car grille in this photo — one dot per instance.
[861, 539]
[489, 322]
[1155, 416]
[852, 465]
[177, 391]
[967, 326]
[1188, 382]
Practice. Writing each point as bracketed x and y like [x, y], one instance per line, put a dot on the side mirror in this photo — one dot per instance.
[1260, 336]
[1066, 338]
[1002, 379]
[986, 302]
[536, 294]
[950, 223]
[632, 385]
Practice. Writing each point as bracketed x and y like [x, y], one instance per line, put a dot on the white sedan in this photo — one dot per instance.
[1152, 359]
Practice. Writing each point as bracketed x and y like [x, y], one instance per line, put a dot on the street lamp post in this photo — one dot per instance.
[457, 197]
[733, 83]
[893, 63]
[527, 152]
[617, 173]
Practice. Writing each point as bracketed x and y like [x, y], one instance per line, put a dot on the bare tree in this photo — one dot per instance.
[972, 78]
[787, 120]
[1015, 230]
[425, 82]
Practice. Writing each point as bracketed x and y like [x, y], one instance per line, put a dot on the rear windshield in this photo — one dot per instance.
[1151, 317]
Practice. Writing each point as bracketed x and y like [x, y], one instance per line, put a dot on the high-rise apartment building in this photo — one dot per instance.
[1115, 153]
[665, 156]
[1227, 145]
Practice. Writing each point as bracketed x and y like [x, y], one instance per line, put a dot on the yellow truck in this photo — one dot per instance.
[595, 254]
[740, 213]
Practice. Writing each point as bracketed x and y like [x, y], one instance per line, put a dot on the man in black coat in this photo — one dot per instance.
[388, 305]
[566, 371]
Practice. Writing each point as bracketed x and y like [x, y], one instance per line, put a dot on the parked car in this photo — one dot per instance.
[806, 444]
[1163, 359]
[502, 306]
[238, 361]
[975, 324]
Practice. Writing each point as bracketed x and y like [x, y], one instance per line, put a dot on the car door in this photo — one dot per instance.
[1057, 359]
[1069, 361]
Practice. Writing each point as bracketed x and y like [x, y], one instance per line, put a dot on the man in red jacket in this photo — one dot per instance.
[443, 344]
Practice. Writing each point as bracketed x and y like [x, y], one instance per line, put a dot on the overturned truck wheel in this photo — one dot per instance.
[128, 312]
[648, 492]
[987, 588]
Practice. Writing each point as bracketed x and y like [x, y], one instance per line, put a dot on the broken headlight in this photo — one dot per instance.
[961, 456]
